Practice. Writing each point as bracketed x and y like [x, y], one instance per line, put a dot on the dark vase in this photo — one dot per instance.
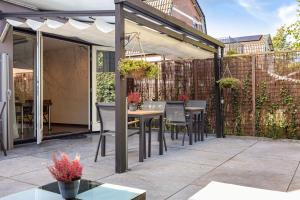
[132, 107]
[69, 190]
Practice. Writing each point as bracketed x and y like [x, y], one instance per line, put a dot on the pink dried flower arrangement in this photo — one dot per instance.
[184, 98]
[134, 97]
[64, 169]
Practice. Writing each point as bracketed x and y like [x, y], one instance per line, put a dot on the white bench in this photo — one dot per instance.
[223, 191]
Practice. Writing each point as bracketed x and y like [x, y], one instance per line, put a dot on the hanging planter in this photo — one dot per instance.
[138, 69]
[229, 83]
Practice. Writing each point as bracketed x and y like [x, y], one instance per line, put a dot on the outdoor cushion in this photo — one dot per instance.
[223, 191]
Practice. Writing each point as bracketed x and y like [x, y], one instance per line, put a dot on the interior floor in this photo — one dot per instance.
[65, 129]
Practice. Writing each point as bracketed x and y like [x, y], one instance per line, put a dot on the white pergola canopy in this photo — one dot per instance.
[103, 33]
[101, 30]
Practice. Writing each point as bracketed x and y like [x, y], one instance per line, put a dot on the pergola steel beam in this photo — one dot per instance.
[58, 14]
[162, 29]
[148, 11]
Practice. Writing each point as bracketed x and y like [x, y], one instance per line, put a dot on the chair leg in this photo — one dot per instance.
[103, 146]
[177, 130]
[165, 143]
[98, 146]
[3, 148]
[172, 132]
[185, 131]
[149, 141]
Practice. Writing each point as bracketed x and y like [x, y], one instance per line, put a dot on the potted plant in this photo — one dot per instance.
[230, 83]
[138, 69]
[183, 98]
[133, 99]
[68, 173]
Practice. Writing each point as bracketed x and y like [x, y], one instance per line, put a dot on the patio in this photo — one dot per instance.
[177, 174]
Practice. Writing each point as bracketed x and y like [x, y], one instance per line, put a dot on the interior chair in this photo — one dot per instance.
[157, 106]
[2, 108]
[197, 117]
[176, 117]
[106, 113]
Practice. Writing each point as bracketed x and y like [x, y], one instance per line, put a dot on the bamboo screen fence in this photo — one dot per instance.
[266, 104]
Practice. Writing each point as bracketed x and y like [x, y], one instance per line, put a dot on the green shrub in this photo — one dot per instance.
[231, 83]
[138, 69]
[105, 91]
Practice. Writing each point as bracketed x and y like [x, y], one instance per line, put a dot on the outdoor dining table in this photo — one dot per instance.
[88, 190]
[142, 115]
[199, 127]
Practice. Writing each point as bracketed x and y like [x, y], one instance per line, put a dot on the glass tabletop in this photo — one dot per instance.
[88, 190]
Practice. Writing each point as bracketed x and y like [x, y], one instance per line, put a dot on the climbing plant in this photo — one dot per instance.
[260, 101]
[289, 103]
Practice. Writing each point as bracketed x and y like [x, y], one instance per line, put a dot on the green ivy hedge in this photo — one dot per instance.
[105, 87]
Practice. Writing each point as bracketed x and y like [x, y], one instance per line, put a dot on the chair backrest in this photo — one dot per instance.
[2, 107]
[197, 103]
[154, 105]
[175, 112]
[106, 113]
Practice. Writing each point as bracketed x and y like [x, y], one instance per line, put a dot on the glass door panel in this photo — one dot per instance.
[23, 86]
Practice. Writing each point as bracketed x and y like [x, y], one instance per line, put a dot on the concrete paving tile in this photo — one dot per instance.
[283, 150]
[8, 187]
[198, 157]
[38, 177]
[230, 146]
[21, 165]
[185, 193]
[161, 178]
[247, 177]
[259, 164]
[95, 173]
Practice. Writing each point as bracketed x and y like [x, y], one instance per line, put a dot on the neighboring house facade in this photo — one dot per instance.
[248, 44]
[188, 11]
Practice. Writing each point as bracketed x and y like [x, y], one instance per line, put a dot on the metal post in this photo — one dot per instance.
[222, 96]
[121, 85]
[218, 96]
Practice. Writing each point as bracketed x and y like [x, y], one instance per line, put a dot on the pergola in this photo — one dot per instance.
[137, 16]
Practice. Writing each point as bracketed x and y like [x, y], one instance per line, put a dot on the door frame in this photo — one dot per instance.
[38, 89]
[95, 124]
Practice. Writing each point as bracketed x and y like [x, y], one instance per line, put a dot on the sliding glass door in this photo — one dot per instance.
[27, 91]
[23, 87]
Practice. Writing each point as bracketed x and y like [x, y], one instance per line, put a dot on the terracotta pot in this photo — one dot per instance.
[69, 190]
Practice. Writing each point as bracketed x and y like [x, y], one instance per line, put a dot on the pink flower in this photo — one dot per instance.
[64, 169]
[134, 97]
[184, 98]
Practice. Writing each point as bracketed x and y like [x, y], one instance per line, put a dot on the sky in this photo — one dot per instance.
[247, 17]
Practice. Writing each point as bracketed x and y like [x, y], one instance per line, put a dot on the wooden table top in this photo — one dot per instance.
[145, 112]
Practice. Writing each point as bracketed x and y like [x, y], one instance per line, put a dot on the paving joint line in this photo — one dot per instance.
[295, 172]
[212, 170]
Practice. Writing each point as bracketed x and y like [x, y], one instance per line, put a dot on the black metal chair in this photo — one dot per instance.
[106, 113]
[176, 117]
[2, 108]
[157, 106]
[197, 117]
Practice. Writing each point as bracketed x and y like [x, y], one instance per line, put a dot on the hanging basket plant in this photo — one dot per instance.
[138, 69]
[229, 83]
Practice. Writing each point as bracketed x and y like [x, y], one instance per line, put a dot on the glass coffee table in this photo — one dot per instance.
[89, 190]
